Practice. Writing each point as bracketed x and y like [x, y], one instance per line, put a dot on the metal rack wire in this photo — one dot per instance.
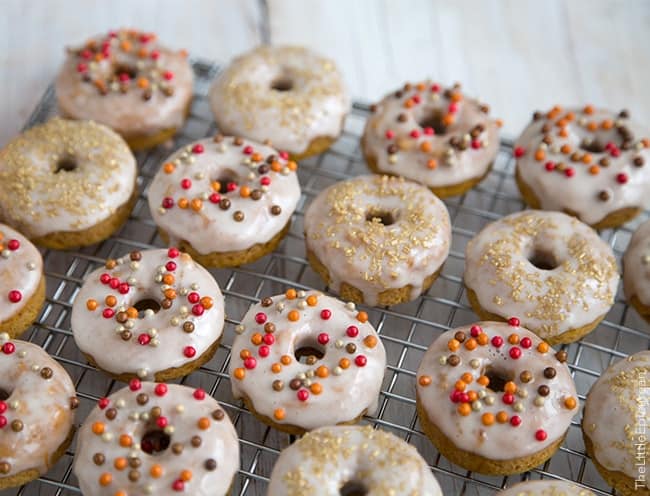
[406, 330]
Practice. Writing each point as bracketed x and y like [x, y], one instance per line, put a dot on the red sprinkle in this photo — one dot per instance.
[265, 181]
[231, 186]
[144, 339]
[325, 314]
[199, 394]
[123, 288]
[361, 361]
[476, 144]
[453, 108]
[189, 351]
[178, 485]
[193, 297]
[475, 331]
[114, 283]
[415, 133]
[416, 98]
[155, 54]
[621, 178]
[515, 421]
[250, 362]
[105, 278]
[15, 296]
[8, 348]
[160, 389]
[103, 403]
[167, 202]
[170, 266]
[161, 422]
[260, 317]
[323, 338]
[284, 155]
[429, 131]
[526, 342]
[541, 435]
[435, 88]
[514, 322]
[248, 150]
[198, 309]
[550, 166]
[3, 407]
[108, 313]
[268, 339]
[81, 67]
[508, 398]
[303, 395]
[569, 172]
[352, 331]
[390, 134]
[3, 421]
[135, 384]
[124, 77]
[186, 183]
[169, 75]
[519, 152]
[198, 148]
[497, 341]
[215, 198]
[515, 352]
[264, 351]
[86, 54]
[173, 252]
[13, 244]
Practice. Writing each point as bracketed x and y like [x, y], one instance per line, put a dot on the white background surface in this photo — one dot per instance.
[516, 55]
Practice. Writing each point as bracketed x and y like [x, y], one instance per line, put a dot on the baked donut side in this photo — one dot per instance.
[587, 162]
[636, 270]
[303, 360]
[494, 398]
[128, 81]
[546, 487]
[433, 135]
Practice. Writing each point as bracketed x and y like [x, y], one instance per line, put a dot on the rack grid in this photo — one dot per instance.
[406, 330]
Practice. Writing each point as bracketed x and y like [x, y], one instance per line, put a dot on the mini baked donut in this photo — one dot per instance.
[432, 135]
[226, 201]
[152, 314]
[66, 184]
[546, 267]
[586, 162]
[377, 240]
[303, 360]
[126, 80]
[636, 270]
[546, 487]
[494, 398]
[37, 399]
[151, 438]
[351, 460]
[286, 94]
[22, 283]
[614, 424]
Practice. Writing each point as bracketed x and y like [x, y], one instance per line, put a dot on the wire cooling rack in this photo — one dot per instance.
[406, 330]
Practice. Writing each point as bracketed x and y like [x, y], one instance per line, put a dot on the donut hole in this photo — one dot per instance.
[434, 119]
[382, 217]
[146, 304]
[309, 351]
[592, 145]
[498, 378]
[226, 178]
[4, 394]
[282, 83]
[353, 488]
[65, 164]
[155, 441]
[129, 70]
[543, 259]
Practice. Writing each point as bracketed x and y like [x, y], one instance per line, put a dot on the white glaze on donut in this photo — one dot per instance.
[636, 265]
[561, 176]
[245, 104]
[87, 88]
[38, 416]
[402, 146]
[324, 460]
[337, 388]
[368, 254]
[546, 487]
[578, 291]
[527, 410]
[248, 170]
[113, 434]
[616, 415]
[171, 337]
[21, 270]
[37, 200]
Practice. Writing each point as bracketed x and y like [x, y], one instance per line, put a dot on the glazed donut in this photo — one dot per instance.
[547, 267]
[614, 424]
[155, 314]
[151, 438]
[303, 360]
[37, 399]
[67, 184]
[546, 487]
[494, 398]
[286, 94]
[636, 270]
[22, 283]
[126, 80]
[432, 135]
[351, 460]
[377, 240]
[226, 201]
[585, 162]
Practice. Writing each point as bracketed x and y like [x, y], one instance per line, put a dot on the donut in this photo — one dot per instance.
[37, 403]
[614, 424]
[636, 270]
[286, 94]
[151, 438]
[303, 360]
[546, 487]
[432, 135]
[154, 314]
[586, 162]
[546, 267]
[494, 398]
[226, 201]
[22, 283]
[351, 460]
[377, 240]
[66, 184]
[126, 80]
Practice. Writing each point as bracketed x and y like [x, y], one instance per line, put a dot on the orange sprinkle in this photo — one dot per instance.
[421, 86]
[276, 166]
[279, 414]
[472, 395]
[244, 192]
[239, 373]
[276, 368]
[542, 347]
[256, 157]
[594, 169]
[460, 385]
[120, 493]
[563, 133]
[91, 305]
[344, 363]
[98, 58]
[453, 344]
[362, 317]
[592, 126]
[487, 418]
[510, 387]
[169, 167]
[132, 312]
[207, 303]
[216, 186]
[586, 158]
[424, 380]
[98, 428]
[456, 96]
[170, 294]
[126, 45]
[111, 301]
[312, 300]
[570, 403]
[432, 163]
[499, 122]
[540, 155]
[370, 341]
[120, 463]
[646, 142]
[203, 423]
[448, 119]
[322, 371]
[169, 279]
[244, 354]
[285, 359]
[293, 315]
[156, 471]
[607, 124]
[183, 203]
[186, 475]
[570, 116]
[561, 123]
[105, 479]
[513, 338]
[316, 388]
[464, 409]
[471, 344]
[291, 294]
[483, 339]
[125, 441]
[484, 380]
[467, 378]
[142, 52]
[589, 109]
[409, 103]
[502, 417]
[197, 204]
[143, 83]
[256, 339]
[566, 149]
[425, 146]
[293, 166]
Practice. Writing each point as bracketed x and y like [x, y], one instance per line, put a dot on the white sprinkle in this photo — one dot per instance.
[302, 305]
[31, 266]
[279, 307]
[120, 403]
[107, 437]
[142, 373]
[482, 394]
[392, 158]
[180, 408]
[350, 306]
[174, 321]
[14, 404]
[476, 405]
[337, 371]
[518, 407]
[169, 430]
[442, 360]
[301, 294]
[539, 401]
[22, 354]
[338, 344]
[239, 328]
[194, 286]
[474, 363]
[132, 281]
[489, 400]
